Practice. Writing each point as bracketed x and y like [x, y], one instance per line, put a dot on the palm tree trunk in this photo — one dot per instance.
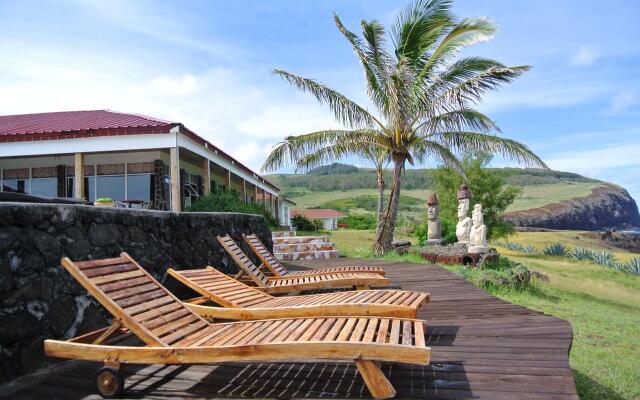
[380, 187]
[384, 238]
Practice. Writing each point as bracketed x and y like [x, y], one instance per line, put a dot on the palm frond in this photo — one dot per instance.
[471, 90]
[457, 120]
[462, 142]
[419, 27]
[375, 50]
[321, 156]
[374, 70]
[294, 148]
[346, 111]
[424, 149]
[465, 33]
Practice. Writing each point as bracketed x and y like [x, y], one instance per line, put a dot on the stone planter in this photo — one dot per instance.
[111, 204]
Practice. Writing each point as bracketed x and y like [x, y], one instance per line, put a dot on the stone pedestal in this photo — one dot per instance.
[478, 249]
[434, 242]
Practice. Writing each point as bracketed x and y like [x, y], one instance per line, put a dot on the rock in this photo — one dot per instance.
[62, 314]
[539, 275]
[608, 206]
[401, 246]
[39, 298]
[103, 234]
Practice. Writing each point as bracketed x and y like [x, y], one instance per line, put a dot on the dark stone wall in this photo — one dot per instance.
[40, 300]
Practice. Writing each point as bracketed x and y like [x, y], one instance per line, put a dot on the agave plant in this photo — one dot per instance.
[424, 95]
[556, 249]
[604, 258]
[581, 254]
[632, 267]
[529, 249]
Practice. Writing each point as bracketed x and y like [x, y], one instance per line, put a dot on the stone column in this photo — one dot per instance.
[79, 176]
[174, 172]
[206, 176]
[264, 199]
[244, 190]
[160, 202]
[228, 180]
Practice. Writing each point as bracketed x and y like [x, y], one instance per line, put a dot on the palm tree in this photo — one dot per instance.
[424, 96]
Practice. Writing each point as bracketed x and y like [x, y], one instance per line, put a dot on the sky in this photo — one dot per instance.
[208, 65]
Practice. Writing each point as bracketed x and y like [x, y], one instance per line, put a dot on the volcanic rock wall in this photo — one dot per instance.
[39, 299]
[608, 206]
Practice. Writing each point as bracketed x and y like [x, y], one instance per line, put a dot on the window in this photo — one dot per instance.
[16, 185]
[111, 186]
[44, 187]
[139, 187]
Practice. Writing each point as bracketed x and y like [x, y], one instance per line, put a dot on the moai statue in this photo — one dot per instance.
[463, 227]
[434, 234]
[478, 234]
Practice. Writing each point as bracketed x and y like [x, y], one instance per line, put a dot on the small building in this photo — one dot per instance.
[103, 153]
[328, 216]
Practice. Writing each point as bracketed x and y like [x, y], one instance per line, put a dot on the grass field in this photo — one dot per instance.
[531, 197]
[602, 305]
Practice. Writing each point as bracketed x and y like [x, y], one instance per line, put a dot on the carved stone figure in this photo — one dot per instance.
[434, 233]
[463, 227]
[478, 234]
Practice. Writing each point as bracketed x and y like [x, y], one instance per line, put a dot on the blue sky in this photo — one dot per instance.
[207, 64]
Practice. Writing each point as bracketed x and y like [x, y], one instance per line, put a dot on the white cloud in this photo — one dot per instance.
[287, 119]
[243, 115]
[183, 85]
[544, 92]
[585, 56]
[622, 101]
[613, 156]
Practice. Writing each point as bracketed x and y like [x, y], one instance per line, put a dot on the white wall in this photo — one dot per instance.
[330, 223]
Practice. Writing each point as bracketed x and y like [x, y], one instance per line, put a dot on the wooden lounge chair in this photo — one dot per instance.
[173, 334]
[298, 283]
[240, 301]
[278, 270]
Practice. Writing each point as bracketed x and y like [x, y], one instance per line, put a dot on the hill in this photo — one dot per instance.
[572, 198]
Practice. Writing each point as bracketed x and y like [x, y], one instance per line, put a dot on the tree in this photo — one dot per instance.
[487, 188]
[424, 98]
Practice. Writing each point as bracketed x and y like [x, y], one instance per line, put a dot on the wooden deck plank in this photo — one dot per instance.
[482, 348]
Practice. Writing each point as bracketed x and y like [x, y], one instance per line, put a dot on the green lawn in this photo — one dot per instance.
[539, 195]
[602, 305]
[531, 197]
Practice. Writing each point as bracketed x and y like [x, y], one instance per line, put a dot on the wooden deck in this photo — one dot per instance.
[483, 347]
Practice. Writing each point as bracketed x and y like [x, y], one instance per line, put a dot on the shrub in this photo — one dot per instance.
[359, 222]
[556, 249]
[502, 273]
[230, 201]
[421, 234]
[581, 254]
[448, 229]
[528, 249]
[632, 267]
[488, 187]
[302, 223]
[604, 258]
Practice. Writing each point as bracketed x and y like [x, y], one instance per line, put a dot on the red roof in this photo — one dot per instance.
[70, 121]
[80, 124]
[319, 213]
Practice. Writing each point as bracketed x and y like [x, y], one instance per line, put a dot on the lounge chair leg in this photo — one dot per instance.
[362, 287]
[378, 384]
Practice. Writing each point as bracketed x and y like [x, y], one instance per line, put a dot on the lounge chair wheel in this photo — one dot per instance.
[109, 382]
